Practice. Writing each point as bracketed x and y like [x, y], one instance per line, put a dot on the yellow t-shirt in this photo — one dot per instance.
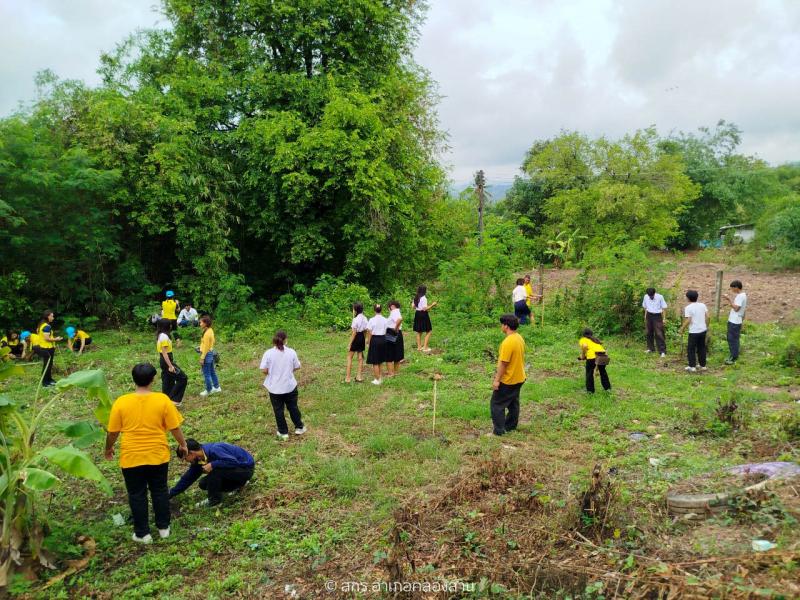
[592, 348]
[512, 351]
[529, 293]
[207, 342]
[143, 420]
[35, 340]
[163, 341]
[40, 331]
[81, 335]
[169, 309]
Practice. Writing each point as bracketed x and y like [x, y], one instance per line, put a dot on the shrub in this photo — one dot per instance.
[790, 354]
[330, 300]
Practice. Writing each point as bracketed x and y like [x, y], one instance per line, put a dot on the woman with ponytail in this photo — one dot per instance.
[46, 346]
[279, 364]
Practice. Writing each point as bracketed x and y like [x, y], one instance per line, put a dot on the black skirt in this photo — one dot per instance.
[422, 321]
[395, 352]
[377, 350]
[358, 344]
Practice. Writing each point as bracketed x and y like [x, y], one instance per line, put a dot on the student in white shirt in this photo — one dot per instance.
[357, 343]
[188, 316]
[376, 355]
[654, 305]
[279, 364]
[395, 350]
[519, 296]
[735, 319]
[422, 320]
[694, 317]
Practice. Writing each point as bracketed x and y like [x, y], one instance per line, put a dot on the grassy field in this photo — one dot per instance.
[371, 494]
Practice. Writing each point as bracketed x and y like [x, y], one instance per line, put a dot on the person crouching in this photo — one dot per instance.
[226, 467]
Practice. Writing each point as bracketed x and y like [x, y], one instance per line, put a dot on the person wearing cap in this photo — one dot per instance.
[169, 311]
[226, 468]
[77, 339]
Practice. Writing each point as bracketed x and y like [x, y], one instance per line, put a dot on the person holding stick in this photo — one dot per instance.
[694, 317]
[654, 305]
[519, 298]
[508, 379]
[735, 319]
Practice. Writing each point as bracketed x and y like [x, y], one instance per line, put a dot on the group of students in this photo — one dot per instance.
[695, 319]
[42, 343]
[382, 337]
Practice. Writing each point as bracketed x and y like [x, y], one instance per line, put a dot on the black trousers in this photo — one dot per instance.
[172, 384]
[734, 331]
[174, 325]
[504, 408]
[76, 345]
[522, 311]
[591, 363]
[47, 355]
[654, 326]
[224, 480]
[137, 482]
[696, 349]
[289, 402]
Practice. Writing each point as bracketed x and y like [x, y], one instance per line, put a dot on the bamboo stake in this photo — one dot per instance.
[718, 292]
[436, 378]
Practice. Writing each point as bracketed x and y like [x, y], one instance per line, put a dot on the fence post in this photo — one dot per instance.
[541, 293]
[718, 292]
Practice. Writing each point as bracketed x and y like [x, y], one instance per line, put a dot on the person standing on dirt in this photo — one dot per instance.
[508, 379]
[694, 317]
[654, 305]
[735, 319]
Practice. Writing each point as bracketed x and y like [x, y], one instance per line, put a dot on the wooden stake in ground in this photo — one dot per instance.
[436, 378]
[718, 292]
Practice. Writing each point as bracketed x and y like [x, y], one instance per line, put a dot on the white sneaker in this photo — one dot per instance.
[648, 351]
[164, 533]
[201, 504]
[663, 355]
[300, 431]
[216, 390]
[204, 393]
[704, 368]
[376, 382]
[283, 436]
[690, 369]
[146, 539]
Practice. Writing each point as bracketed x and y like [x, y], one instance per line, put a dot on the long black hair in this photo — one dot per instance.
[588, 333]
[421, 291]
[163, 326]
[45, 314]
[279, 339]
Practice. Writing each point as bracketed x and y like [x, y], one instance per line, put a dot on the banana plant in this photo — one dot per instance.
[28, 468]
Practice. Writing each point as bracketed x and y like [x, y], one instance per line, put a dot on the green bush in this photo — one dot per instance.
[610, 288]
[790, 354]
[330, 300]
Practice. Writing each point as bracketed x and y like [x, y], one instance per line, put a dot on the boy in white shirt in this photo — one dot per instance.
[694, 317]
[735, 319]
[654, 305]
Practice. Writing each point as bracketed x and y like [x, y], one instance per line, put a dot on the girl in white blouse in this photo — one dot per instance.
[395, 352]
[422, 320]
[357, 343]
[376, 355]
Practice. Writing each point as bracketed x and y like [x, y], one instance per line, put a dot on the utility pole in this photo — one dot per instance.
[480, 189]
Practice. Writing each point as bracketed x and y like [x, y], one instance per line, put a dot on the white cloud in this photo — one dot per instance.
[519, 70]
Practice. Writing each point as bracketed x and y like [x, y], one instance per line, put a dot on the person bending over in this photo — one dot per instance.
[226, 468]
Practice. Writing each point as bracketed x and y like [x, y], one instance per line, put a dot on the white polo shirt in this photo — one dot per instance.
[655, 305]
[696, 311]
[737, 316]
[281, 364]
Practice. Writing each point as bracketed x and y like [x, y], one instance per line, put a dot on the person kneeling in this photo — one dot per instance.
[226, 467]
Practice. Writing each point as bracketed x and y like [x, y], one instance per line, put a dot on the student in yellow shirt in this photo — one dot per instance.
[15, 345]
[77, 339]
[530, 298]
[143, 418]
[590, 348]
[207, 342]
[169, 311]
[173, 380]
[508, 379]
[46, 346]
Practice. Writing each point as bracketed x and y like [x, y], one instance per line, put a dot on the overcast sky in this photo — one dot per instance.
[515, 71]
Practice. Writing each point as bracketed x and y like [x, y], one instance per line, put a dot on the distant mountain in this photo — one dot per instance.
[496, 191]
